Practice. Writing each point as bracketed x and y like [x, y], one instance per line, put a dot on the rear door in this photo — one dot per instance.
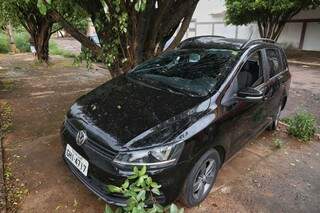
[274, 84]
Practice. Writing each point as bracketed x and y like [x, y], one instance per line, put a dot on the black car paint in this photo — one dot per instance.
[122, 115]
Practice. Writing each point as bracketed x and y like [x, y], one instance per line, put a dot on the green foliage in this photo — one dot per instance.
[302, 126]
[140, 189]
[55, 50]
[5, 118]
[241, 12]
[4, 45]
[277, 143]
[22, 41]
[85, 56]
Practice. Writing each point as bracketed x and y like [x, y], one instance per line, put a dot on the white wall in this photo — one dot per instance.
[312, 38]
[207, 7]
[290, 35]
[213, 11]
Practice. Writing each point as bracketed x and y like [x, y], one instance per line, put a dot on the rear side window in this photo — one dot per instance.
[275, 61]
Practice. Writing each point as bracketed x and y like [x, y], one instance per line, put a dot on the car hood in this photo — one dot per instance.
[122, 112]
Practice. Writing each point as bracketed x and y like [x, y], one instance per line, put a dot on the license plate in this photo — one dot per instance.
[77, 160]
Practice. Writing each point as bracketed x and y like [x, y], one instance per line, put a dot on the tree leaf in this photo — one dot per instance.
[155, 185]
[136, 171]
[42, 7]
[143, 171]
[114, 189]
[141, 195]
[108, 209]
[155, 191]
[118, 210]
[173, 208]
[125, 185]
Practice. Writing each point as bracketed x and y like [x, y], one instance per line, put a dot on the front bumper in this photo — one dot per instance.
[102, 172]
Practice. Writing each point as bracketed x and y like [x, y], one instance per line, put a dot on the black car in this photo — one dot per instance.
[182, 114]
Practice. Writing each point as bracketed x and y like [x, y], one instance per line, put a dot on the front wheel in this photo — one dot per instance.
[201, 179]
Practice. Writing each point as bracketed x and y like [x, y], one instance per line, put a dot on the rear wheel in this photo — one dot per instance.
[201, 178]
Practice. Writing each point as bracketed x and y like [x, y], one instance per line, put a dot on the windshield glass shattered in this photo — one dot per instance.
[195, 72]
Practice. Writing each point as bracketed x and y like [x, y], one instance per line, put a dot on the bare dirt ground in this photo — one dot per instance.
[305, 91]
[259, 178]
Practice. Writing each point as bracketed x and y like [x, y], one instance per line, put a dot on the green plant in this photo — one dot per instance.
[22, 41]
[55, 50]
[277, 143]
[140, 189]
[4, 46]
[5, 118]
[302, 126]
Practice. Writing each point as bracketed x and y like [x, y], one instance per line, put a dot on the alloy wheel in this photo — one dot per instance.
[204, 179]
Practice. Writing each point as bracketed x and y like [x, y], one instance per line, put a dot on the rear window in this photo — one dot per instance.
[275, 62]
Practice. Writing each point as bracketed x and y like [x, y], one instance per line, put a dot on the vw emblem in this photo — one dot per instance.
[81, 137]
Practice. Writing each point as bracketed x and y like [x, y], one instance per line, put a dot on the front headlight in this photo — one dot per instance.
[153, 158]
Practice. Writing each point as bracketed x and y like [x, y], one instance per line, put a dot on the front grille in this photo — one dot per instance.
[92, 144]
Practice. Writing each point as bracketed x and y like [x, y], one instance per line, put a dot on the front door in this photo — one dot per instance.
[243, 119]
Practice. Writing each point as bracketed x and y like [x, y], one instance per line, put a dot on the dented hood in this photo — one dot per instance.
[122, 113]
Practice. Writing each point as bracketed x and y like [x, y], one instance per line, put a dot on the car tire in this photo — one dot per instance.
[275, 122]
[201, 179]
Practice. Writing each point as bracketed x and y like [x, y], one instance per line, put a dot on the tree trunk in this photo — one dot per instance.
[271, 30]
[12, 41]
[75, 33]
[40, 35]
[183, 28]
[42, 46]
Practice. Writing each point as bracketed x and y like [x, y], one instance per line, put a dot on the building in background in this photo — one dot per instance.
[302, 32]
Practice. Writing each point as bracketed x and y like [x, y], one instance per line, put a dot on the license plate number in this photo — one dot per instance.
[77, 160]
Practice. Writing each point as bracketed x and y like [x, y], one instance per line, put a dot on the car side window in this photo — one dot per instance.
[251, 73]
[274, 61]
[284, 60]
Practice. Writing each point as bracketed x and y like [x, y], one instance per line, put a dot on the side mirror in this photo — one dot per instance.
[250, 94]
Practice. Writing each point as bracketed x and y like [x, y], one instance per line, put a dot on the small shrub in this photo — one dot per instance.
[4, 45]
[277, 143]
[140, 190]
[22, 41]
[55, 50]
[302, 126]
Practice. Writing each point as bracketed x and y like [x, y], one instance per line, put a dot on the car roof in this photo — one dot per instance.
[219, 42]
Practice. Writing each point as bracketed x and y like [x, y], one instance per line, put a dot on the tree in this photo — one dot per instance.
[130, 31]
[39, 26]
[31, 14]
[270, 15]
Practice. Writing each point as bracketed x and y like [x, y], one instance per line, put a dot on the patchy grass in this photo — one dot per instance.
[302, 126]
[15, 190]
[5, 118]
[55, 50]
[277, 143]
[7, 85]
